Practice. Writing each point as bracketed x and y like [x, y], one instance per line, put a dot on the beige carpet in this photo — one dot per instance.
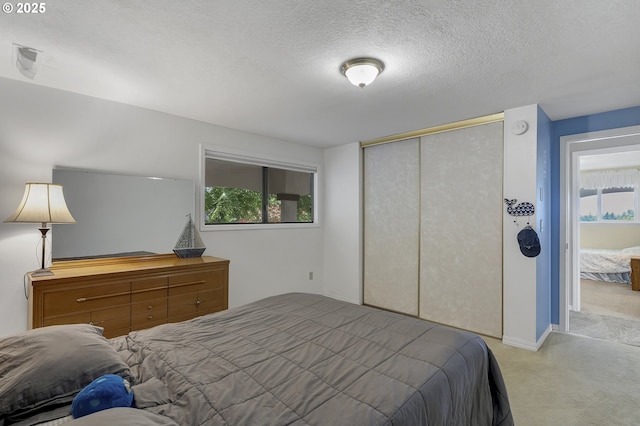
[607, 327]
[577, 380]
[572, 381]
[610, 311]
[611, 299]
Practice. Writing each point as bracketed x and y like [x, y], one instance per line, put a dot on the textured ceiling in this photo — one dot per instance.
[272, 67]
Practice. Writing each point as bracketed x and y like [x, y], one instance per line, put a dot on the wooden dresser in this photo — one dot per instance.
[131, 293]
[635, 273]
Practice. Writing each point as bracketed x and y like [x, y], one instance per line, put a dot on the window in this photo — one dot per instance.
[608, 204]
[241, 190]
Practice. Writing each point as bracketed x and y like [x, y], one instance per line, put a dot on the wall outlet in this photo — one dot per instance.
[310, 275]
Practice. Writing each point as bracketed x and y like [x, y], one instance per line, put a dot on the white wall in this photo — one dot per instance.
[342, 223]
[43, 128]
[519, 272]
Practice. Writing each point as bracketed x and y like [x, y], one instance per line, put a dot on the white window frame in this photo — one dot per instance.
[238, 156]
[599, 219]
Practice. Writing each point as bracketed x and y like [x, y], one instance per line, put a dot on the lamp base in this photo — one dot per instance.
[42, 272]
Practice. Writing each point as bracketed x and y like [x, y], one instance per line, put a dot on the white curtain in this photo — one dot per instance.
[629, 178]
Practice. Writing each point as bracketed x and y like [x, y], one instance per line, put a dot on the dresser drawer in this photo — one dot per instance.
[110, 333]
[86, 299]
[149, 289]
[82, 318]
[185, 306]
[148, 284]
[192, 299]
[188, 283]
[148, 319]
[141, 296]
[211, 301]
[149, 306]
[114, 321]
[215, 278]
[150, 312]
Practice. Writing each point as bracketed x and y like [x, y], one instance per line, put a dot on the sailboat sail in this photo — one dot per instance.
[189, 244]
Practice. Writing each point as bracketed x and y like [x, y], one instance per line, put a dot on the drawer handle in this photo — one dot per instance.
[198, 302]
[190, 283]
[147, 290]
[104, 296]
[150, 317]
[150, 307]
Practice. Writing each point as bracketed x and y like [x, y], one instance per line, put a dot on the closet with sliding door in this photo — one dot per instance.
[433, 209]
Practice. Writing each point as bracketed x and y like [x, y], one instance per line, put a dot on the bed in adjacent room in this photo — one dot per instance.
[607, 265]
[293, 359]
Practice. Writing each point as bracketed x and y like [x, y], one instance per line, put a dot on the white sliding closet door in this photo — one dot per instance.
[391, 226]
[461, 228]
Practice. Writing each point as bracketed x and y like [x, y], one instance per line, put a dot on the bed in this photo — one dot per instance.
[607, 265]
[293, 359]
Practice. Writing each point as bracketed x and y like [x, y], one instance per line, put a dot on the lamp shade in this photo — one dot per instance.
[42, 203]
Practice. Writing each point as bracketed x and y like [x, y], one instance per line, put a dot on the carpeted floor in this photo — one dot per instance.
[572, 381]
[575, 380]
[610, 311]
[614, 329]
[617, 300]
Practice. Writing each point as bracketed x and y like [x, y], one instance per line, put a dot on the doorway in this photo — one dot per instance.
[611, 145]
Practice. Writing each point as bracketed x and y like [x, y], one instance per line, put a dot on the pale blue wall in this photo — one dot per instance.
[543, 225]
[571, 126]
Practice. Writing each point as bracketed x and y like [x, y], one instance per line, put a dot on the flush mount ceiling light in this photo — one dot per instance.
[362, 71]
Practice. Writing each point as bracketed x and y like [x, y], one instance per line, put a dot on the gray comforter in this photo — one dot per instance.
[301, 359]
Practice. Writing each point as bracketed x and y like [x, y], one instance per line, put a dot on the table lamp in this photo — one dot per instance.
[42, 203]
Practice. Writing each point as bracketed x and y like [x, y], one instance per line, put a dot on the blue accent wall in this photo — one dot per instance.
[571, 126]
[543, 216]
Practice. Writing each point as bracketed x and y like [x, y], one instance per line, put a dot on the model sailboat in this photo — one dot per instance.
[189, 244]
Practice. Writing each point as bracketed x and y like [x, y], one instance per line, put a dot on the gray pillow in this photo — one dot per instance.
[44, 368]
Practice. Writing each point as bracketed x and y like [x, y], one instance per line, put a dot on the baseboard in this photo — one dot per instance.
[518, 343]
[544, 336]
[524, 344]
[342, 298]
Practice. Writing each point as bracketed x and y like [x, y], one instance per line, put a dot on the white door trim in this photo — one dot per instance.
[571, 148]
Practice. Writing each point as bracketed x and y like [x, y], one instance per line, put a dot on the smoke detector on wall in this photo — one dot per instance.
[520, 127]
[25, 60]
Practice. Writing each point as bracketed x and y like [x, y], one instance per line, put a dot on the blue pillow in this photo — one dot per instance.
[106, 391]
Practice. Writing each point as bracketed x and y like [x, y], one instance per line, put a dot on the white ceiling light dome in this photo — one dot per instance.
[362, 71]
